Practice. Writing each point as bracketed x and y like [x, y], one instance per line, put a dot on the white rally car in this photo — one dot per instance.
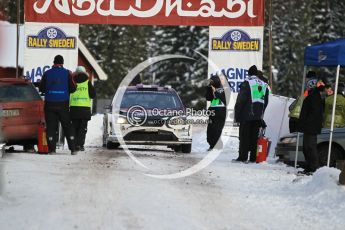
[149, 115]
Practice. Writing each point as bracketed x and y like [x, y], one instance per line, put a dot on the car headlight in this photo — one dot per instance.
[289, 140]
[122, 120]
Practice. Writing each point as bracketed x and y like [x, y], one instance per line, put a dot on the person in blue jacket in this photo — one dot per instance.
[57, 85]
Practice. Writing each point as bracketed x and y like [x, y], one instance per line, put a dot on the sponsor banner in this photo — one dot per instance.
[43, 41]
[148, 12]
[232, 50]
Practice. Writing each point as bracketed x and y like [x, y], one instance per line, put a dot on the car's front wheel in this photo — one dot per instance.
[177, 148]
[336, 154]
[186, 148]
[112, 145]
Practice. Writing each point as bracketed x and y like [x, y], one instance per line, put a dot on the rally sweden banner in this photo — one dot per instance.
[232, 50]
[43, 41]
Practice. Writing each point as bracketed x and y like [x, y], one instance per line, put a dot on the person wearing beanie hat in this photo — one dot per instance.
[250, 106]
[253, 71]
[216, 95]
[311, 74]
[57, 84]
[295, 107]
[80, 105]
[58, 60]
[310, 124]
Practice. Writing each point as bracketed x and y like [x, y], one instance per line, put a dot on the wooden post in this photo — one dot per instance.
[270, 45]
[18, 32]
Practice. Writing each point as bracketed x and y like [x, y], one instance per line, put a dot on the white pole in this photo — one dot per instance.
[302, 92]
[333, 114]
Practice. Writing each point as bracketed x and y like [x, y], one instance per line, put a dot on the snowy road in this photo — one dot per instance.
[103, 189]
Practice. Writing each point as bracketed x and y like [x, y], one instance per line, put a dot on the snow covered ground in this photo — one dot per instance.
[103, 189]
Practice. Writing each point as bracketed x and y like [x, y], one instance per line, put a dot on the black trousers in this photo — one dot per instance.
[310, 152]
[53, 116]
[248, 135]
[214, 130]
[80, 128]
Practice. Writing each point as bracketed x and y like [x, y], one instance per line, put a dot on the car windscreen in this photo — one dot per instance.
[18, 92]
[151, 100]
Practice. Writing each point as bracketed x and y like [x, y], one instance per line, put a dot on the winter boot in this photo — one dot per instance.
[342, 176]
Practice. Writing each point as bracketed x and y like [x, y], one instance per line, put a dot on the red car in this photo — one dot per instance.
[21, 112]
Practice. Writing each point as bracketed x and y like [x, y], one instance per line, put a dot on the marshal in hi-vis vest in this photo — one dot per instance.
[81, 96]
[257, 94]
[216, 102]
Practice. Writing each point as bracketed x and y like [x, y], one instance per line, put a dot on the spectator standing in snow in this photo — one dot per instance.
[57, 84]
[295, 107]
[250, 106]
[80, 105]
[339, 118]
[216, 95]
[310, 124]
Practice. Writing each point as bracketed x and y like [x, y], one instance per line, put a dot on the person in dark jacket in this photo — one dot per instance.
[57, 84]
[295, 107]
[310, 124]
[250, 106]
[80, 105]
[217, 110]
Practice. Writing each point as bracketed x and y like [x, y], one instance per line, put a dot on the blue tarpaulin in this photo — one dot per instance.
[325, 54]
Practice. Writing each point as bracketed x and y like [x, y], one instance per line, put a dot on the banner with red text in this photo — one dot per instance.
[148, 12]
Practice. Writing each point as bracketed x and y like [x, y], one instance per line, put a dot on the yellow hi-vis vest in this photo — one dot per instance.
[339, 116]
[81, 96]
[296, 107]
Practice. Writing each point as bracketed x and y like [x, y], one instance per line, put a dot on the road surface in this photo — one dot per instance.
[105, 189]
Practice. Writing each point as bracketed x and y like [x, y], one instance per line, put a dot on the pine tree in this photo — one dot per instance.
[182, 74]
[119, 49]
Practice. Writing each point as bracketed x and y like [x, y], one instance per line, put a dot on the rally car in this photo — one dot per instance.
[149, 115]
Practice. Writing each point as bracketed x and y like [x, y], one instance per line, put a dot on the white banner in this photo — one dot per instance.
[43, 41]
[233, 50]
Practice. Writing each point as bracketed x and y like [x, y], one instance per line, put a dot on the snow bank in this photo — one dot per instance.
[324, 179]
[321, 189]
[95, 131]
